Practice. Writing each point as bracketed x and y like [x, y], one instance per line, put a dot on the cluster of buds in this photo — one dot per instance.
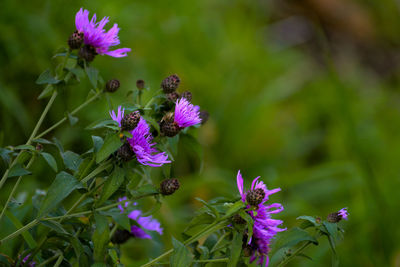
[169, 86]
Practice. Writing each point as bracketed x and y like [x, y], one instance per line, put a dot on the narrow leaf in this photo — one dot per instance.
[100, 237]
[111, 144]
[112, 184]
[235, 248]
[62, 186]
[18, 170]
[47, 78]
[92, 74]
[50, 160]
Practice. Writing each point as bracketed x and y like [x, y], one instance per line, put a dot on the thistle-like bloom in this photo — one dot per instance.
[96, 36]
[147, 223]
[265, 228]
[186, 114]
[343, 213]
[142, 142]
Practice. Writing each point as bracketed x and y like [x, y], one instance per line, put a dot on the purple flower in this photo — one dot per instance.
[25, 261]
[96, 36]
[186, 114]
[124, 203]
[147, 223]
[142, 142]
[343, 213]
[265, 228]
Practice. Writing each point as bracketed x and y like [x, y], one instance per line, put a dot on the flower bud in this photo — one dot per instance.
[130, 121]
[112, 85]
[121, 236]
[248, 250]
[187, 95]
[170, 83]
[76, 39]
[238, 219]
[255, 197]
[168, 126]
[140, 84]
[169, 186]
[172, 97]
[125, 152]
[204, 116]
[39, 147]
[87, 52]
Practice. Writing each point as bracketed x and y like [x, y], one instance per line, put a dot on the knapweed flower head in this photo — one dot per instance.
[141, 222]
[336, 217]
[265, 228]
[186, 114]
[96, 36]
[141, 142]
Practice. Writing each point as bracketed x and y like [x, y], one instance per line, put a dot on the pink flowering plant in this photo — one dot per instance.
[94, 204]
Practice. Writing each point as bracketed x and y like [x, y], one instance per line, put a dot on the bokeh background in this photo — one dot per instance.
[304, 93]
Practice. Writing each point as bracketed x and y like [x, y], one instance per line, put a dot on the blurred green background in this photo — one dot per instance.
[304, 93]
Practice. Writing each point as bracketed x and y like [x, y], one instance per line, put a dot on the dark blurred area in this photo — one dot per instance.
[304, 93]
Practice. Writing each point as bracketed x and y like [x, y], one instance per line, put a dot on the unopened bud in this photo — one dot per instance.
[170, 83]
[87, 52]
[125, 152]
[169, 186]
[172, 97]
[204, 115]
[255, 197]
[168, 126]
[130, 121]
[76, 39]
[112, 85]
[238, 219]
[39, 147]
[187, 95]
[121, 236]
[248, 250]
[140, 84]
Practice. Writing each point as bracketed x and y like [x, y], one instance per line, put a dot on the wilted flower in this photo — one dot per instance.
[142, 142]
[96, 36]
[265, 228]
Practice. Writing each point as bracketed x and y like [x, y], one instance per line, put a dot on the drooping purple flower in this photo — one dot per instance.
[186, 114]
[95, 35]
[144, 222]
[265, 228]
[142, 142]
[343, 213]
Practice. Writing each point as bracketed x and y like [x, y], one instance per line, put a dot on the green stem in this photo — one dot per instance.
[72, 113]
[59, 260]
[50, 259]
[20, 230]
[35, 130]
[294, 254]
[205, 261]
[15, 187]
[96, 171]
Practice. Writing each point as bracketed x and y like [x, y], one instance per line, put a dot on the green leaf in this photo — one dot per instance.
[62, 186]
[46, 91]
[47, 78]
[308, 221]
[100, 237]
[210, 207]
[25, 147]
[112, 184]
[18, 225]
[250, 224]
[145, 190]
[54, 226]
[43, 141]
[293, 237]
[93, 75]
[111, 144]
[201, 219]
[18, 170]
[235, 208]
[181, 256]
[103, 123]
[235, 249]
[97, 143]
[72, 120]
[50, 160]
[71, 160]
[331, 229]
[119, 218]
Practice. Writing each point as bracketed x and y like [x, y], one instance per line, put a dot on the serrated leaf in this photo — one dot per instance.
[50, 160]
[100, 237]
[18, 170]
[47, 78]
[112, 184]
[62, 186]
[181, 256]
[111, 144]
[71, 160]
[93, 75]
[235, 249]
